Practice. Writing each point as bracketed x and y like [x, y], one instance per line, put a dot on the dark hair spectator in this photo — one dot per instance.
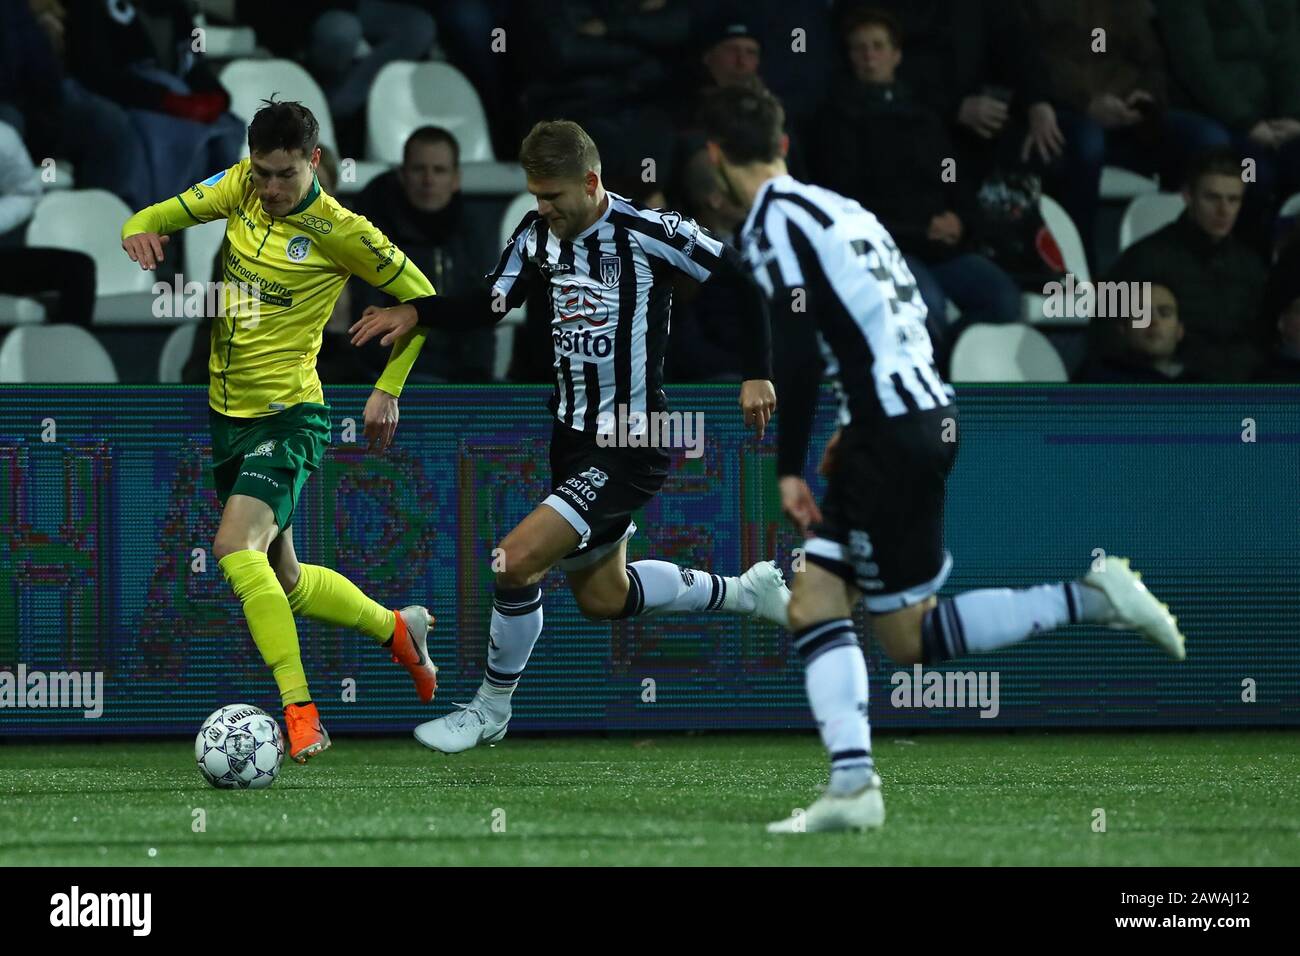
[1216, 278]
[1144, 348]
[1236, 61]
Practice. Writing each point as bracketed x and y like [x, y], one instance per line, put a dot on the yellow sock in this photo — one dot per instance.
[269, 620]
[325, 595]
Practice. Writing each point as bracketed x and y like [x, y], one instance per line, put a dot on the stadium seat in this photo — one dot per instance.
[90, 221]
[505, 329]
[408, 95]
[1066, 234]
[1290, 208]
[1120, 183]
[226, 43]
[201, 245]
[54, 353]
[1005, 353]
[20, 310]
[1147, 214]
[176, 351]
[250, 81]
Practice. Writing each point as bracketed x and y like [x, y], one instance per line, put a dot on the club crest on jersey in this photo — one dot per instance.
[263, 449]
[298, 248]
[671, 221]
[610, 269]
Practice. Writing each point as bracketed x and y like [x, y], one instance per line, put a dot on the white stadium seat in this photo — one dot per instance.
[176, 351]
[1148, 214]
[505, 329]
[90, 221]
[1290, 208]
[20, 310]
[408, 95]
[201, 245]
[1120, 183]
[250, 81]
[1005, 353]
[54, 353]
[1066, 234]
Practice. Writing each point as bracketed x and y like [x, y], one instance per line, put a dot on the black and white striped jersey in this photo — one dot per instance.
[609, 292]
[834, 274]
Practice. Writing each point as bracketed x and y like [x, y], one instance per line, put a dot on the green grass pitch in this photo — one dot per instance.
[1177, 799]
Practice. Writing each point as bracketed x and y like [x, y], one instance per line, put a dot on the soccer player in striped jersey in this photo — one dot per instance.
[607, 265]
[844, 304]
[292, 247]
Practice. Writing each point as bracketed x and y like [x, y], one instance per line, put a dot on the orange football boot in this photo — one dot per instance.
[307, 737]
[410, 649]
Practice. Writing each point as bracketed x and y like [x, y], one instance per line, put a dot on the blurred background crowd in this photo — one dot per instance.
[1006, 144]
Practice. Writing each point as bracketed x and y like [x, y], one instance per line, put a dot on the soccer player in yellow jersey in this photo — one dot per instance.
[293, 247]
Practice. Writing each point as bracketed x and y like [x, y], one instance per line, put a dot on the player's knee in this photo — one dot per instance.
[520, 566]
[226, 543]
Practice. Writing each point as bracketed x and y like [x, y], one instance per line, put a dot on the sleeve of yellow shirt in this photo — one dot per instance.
[368, 254]
[214, 198]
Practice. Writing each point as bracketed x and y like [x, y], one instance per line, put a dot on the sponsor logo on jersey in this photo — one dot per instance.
[578, 301]
[298, 248]
[323, 226]
[611, 267]
[213, 179]
[385, 256]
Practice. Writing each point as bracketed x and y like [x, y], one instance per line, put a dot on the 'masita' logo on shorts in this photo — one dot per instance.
[263, 449]
[298, 248]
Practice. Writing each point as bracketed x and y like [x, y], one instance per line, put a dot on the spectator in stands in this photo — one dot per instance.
[1280, 312]
[1236, 61]
[608, 65]
[1111, 93]
[25, 271]
[1216, 278]
[876, 143]
[1142, 351]
[327, 35]
[31, 98]
[420, 208]
[140, 56]
[974, 63]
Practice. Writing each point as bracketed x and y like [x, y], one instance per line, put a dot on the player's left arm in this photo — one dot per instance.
[363, 250]
[695, 253]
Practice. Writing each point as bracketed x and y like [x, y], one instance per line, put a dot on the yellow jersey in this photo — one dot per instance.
[281, 279]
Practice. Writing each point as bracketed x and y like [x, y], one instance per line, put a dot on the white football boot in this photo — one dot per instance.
[1136, 608]
[769, 597]
[864, 810]
[472, 724]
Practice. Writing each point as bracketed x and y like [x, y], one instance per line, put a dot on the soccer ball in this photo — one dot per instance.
[239, 747]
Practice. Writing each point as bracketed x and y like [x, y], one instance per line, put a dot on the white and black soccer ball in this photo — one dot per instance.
[239, 747]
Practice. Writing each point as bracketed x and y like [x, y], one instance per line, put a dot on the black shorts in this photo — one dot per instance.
[596, 490]
[882, 527]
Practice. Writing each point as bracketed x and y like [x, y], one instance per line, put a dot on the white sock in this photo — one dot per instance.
[835, 677]
[516, 624]
[657, 586]
[992, 618]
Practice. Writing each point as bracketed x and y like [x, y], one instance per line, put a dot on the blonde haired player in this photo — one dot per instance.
[294, 247]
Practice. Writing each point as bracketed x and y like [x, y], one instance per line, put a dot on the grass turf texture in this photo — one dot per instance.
[1175, 799]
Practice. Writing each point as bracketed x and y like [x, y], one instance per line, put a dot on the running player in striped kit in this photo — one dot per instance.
[608, 266]
[845, 305]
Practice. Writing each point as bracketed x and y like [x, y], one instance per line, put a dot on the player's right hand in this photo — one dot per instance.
[146, 248]
[798, 503]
